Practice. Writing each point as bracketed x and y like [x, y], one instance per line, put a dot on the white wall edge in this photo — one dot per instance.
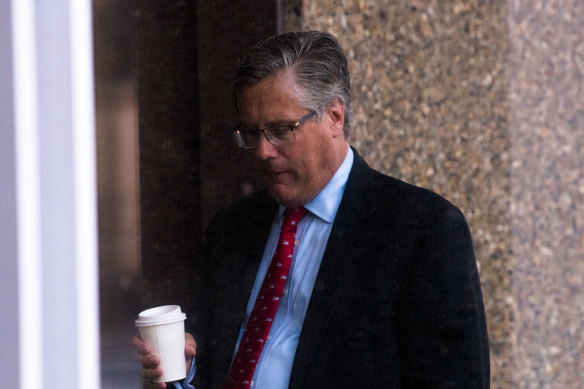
[26, 16]
[85, 186]
[28, 193]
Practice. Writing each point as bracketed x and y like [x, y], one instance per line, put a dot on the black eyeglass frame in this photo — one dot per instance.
[237, 133]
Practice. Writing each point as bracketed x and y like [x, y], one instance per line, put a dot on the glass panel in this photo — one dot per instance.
[116, 113]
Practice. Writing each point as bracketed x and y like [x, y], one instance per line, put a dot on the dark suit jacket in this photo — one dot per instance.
[397, 302]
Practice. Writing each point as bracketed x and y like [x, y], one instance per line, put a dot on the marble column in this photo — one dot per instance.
[482, 102]
[545, 74]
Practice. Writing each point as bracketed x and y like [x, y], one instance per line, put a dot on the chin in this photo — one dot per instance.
[284, 198]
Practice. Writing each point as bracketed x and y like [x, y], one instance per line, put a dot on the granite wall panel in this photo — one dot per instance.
[481, 101]
[546, 96]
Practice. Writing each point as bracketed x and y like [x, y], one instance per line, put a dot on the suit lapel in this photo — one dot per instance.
[245, 265]
[259, 226]
[330, 283]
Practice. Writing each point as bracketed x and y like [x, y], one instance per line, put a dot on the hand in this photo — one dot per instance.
[190, 350]
[151, 363]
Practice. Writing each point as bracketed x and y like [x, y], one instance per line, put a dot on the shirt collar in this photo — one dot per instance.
[326, 203]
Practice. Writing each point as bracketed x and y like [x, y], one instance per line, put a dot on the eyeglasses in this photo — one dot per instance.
[277, 135]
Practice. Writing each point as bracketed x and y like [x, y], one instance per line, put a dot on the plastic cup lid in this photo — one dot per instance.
[160, 315]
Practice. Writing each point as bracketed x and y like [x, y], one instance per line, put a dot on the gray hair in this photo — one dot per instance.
[318, 62]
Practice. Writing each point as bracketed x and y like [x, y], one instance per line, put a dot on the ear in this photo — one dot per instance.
[336, 114]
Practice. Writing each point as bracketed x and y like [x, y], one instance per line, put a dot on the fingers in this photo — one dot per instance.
[190, 346]
[150, 363]
[151, 385]
[150, 371]
[145, 357]
[141, 347]
[150, 366]
[190, 350]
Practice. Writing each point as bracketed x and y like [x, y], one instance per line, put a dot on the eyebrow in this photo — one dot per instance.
[290, 122]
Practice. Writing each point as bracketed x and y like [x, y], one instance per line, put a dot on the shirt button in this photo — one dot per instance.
[295, 243]
[284, 292]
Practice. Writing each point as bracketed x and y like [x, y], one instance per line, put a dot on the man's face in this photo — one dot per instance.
[293, 173]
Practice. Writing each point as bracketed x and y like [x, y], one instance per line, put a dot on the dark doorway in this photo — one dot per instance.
[166, 159]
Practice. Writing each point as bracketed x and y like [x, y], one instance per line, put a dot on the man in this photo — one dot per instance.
[382, 289]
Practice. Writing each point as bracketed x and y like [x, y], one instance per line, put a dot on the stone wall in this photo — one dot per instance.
[545, 73]
[481, 101]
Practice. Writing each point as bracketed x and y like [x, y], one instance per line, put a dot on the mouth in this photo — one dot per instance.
[274, 173]
[274, 176]
[272, 170]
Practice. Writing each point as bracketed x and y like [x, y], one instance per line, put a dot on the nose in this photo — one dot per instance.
[265, 149]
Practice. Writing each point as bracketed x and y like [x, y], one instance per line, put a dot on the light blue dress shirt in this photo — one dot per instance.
[275, 363]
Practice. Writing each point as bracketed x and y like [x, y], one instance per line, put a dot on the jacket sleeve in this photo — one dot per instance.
[443, 327]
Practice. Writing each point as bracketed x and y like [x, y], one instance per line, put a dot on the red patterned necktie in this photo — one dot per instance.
[263, 312]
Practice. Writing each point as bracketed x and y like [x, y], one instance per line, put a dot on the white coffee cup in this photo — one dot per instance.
[163, 329]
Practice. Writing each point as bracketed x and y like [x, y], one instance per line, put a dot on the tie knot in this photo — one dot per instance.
[293, 215]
